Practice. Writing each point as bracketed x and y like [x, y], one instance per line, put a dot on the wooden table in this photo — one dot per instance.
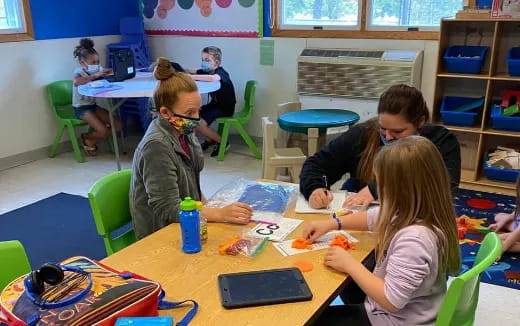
[183, 276]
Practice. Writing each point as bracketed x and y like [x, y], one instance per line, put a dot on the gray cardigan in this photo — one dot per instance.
[162, 175]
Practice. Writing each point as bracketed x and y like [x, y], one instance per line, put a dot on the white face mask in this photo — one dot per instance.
[92, 69]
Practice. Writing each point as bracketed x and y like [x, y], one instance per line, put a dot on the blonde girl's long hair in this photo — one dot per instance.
[171, 84]
[404, 100]
[414, 188]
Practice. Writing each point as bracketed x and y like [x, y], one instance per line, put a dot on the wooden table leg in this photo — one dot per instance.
[312, 139]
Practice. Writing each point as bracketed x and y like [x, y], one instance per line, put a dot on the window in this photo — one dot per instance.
[396, 14]
[401, 19]
[11, 17]
[320, 14]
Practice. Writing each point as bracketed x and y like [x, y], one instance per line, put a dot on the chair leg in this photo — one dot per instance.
[54, 146]
[295, 173]
[75, 146]
[249, 141]
[220, 129]
[270, 172]
[224, 138]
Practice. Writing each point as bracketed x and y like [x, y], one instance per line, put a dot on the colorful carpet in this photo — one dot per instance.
[478, 210]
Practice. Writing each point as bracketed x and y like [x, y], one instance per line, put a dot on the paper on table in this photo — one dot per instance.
[266, 217]
[302, 205]
[275, 232]
[323, 242]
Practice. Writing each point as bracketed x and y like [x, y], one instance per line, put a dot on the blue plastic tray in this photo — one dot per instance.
[499, 174]
[500, 122]
[465, 59]
[458, 118]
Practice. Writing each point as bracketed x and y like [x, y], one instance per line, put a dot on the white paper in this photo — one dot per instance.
[302, 205]
[323, 242]
[275, 232]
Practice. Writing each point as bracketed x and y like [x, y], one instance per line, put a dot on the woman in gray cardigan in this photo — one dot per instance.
[168, 160]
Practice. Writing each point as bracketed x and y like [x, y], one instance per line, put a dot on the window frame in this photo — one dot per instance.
[24, 34]
[365, 31]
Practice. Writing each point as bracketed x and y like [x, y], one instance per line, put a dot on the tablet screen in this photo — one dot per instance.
[263, 287]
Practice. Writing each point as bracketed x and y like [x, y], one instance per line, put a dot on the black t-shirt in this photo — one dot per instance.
[177, 67]
[342, 155]
[224, 97]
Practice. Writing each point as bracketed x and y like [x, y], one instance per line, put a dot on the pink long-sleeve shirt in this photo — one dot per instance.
[413, 283]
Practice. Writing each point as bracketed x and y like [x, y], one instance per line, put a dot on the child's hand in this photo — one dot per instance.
[501, 219]
[238, 213]
[339, 259]
[316, 229]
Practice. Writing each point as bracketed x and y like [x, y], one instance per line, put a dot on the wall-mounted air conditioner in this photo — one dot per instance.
[362, 74]
[353, 79]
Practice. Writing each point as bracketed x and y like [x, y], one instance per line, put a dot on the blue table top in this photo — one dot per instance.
[300, 121]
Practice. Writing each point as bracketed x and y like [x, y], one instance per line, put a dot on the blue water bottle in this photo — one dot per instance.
[190, 226]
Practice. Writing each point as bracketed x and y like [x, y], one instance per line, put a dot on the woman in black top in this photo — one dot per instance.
[402, 112]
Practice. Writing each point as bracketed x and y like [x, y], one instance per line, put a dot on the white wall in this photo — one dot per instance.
[27, 121]
[277, 84]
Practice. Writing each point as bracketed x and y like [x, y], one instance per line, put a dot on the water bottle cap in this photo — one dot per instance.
[188, 204]
[199, 205]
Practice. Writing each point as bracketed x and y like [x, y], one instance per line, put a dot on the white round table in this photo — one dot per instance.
[142, 85]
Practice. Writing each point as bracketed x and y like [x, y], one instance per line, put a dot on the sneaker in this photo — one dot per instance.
[217, 148]
[206, 144]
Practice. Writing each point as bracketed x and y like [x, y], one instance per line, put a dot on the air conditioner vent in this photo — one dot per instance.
[341, 53]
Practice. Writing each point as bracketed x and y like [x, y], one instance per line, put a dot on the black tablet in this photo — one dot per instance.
[263, 288]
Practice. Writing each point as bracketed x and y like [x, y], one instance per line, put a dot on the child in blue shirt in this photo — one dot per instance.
[85, 107]
[223, 100]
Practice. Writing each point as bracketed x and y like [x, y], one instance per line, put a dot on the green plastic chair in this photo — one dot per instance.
[460, 302]
[60, 99]
[239, 120]
[14, 262]
[109, 201]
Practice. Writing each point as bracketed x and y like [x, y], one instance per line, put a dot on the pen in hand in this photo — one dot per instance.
[326, 190]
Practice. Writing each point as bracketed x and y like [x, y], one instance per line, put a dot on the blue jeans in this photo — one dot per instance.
[81, 110]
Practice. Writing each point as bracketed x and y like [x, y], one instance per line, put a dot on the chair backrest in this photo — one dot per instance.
[249, 101]
[13, 254]
[460, 302]
[268, 148]
[132, 30]
[60, 95]
[282, 136]
[109, 201]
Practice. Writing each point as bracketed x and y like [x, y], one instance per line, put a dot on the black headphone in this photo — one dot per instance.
[53, 274]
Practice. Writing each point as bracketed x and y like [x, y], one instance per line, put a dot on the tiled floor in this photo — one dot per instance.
[37, 180]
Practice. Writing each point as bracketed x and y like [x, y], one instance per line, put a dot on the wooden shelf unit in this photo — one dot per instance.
[500, 35]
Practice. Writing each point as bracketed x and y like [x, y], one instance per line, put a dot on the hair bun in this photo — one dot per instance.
[163, 69]
[86, 43]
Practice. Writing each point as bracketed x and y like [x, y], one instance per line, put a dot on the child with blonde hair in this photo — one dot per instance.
[417, 243]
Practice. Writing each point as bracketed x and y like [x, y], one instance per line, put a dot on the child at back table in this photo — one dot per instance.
[510, 223]
[223, 100]
[85, 107]
[417, 244]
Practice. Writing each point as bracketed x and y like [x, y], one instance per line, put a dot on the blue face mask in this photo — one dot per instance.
[386, 141]
[205, 66]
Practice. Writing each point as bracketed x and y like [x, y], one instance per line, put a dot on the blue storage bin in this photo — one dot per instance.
[499, 174]
[449, 117]
[465, 59]
[500, 122]
[484, 4]
[513, 61]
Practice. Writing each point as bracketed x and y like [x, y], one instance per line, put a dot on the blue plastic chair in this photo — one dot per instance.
[133, 37]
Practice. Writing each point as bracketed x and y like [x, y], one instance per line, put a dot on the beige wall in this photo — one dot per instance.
[277, 83]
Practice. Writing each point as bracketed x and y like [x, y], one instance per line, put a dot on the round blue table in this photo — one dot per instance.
[301, 121]
[314, 123]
